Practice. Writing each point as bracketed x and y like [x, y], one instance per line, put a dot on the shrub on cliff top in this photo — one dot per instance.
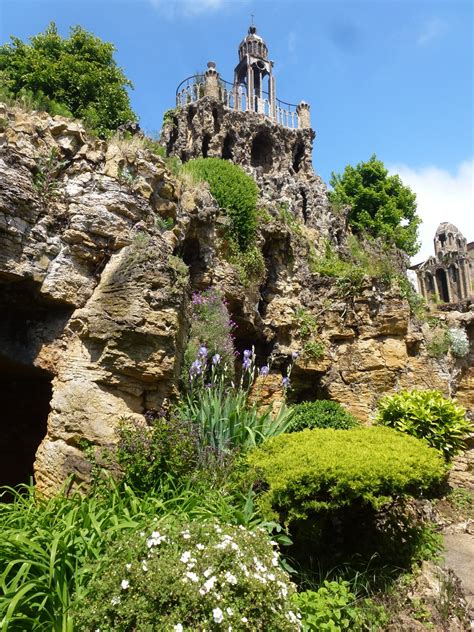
[78, 73]
[314, 471]
[234, 191]
[427, 415]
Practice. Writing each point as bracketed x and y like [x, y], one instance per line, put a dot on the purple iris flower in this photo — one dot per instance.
[216, 359]
[285, 382]
[195, 369]
[295, 355]
[246, 364]
[202, 353]
[247, 353]
[264, 370]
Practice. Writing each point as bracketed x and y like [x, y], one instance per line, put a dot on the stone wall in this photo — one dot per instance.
[94, 292]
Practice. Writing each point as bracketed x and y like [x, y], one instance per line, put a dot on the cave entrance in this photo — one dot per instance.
[442, 284]
[261, 154]
[25, 393]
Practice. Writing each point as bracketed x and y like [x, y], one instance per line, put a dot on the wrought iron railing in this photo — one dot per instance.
[234, 97]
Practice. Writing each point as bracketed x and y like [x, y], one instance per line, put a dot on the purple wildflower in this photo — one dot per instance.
[246, 364]
[264, 370]
[247, 353]
[197, 299]
[216, 359]
[285, 382]
[202, 353]
[196, 369]
[295, 355]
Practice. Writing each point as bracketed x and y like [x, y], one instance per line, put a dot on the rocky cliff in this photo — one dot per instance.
[100, 250]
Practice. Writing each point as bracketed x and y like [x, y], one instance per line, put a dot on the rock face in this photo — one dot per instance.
[94, 286]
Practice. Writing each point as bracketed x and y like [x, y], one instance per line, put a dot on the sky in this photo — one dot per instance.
[390, 77]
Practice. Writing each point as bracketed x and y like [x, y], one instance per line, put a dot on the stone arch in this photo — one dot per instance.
[430, 285]
[442, 283]
[206, 139]
[228, 146]
[298, 156]
[261, 154]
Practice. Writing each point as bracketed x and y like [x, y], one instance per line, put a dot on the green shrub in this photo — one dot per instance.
[77, 75]
[459, 342]
[321, 470]
[189, 576]
[426, 415]
[322, 413]
[235, 192]
[250, 264]
[334, 607]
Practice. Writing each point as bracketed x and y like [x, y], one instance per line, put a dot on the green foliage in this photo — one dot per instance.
[168, 116]
[322, 413]
[323, 469]
[380, 204]
[313, 350]
[181, 270]
[189, 576]
[235, 192]
[77, 75]
[44, 547]
[416, 302]
[334, 607]
[438, 342]
[250, 263]
[48, 168]
[147, 454]
[458, 341]
[426, 415]
[288, 219]
[306, 322]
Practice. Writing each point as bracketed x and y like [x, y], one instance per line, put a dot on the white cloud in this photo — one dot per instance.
[441, 197]
[431, 30]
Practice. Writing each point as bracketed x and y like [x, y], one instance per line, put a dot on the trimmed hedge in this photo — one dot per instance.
[234, 191]
[322, 413]
[324, 470]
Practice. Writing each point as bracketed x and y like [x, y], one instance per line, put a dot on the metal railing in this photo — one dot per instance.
[236, 98]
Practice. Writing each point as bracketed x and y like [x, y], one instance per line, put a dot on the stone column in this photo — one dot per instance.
[272, 96]
[304, 119]
[211, 81]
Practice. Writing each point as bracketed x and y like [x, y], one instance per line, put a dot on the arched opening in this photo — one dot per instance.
[455, 282]
[298, 156]
[430, 286]
[205, 145]
[442, 283]
[228, 147]
[191, 114]
[215, 118]
[442, 239]
[262, 151]
[173, 136]
[304, 205]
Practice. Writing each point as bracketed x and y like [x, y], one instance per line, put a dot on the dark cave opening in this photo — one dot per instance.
[25, 393]
[205, 145]
[262, 151]
[228, 147]
[298, 156]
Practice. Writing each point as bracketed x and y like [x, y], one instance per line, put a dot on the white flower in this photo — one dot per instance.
[128, 566]
[231, 579]
[178, 628]
[229, 611]
[155, 539]
[192, 576]
[125, 584]
[292, 617]
[208, 585]
[144, 566]
[115, 601]
[186, 535]
[200, 546]
[271, 577]
[185, 557]
[218, 615]
[208, 572]
[244, 620]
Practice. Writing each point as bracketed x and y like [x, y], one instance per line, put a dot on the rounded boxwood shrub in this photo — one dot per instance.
[322, 413]
[322, 470]
[235, 191]
[427, 415]
[181, 577]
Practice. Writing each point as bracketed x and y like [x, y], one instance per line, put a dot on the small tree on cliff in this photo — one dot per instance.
[381, 205]
[77, 72]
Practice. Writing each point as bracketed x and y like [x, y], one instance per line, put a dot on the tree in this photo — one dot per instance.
[78, 72]
[381, 205]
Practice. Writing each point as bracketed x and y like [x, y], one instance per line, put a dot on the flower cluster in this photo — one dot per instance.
[459, 342]
[203, 576]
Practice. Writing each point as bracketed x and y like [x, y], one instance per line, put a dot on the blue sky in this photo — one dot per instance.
[390, 77]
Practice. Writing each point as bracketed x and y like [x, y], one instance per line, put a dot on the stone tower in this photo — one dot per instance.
[245, 122]
[446, 276]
